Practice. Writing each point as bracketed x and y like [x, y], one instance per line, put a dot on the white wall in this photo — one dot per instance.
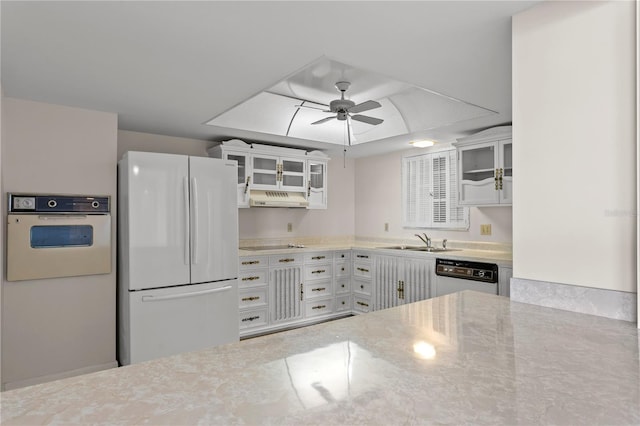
[574, 144]
[257, 223]
[61, 326]
[378, 196]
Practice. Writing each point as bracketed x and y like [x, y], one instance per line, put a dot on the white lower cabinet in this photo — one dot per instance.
[282, 291]
[253, 294]
[398, 280]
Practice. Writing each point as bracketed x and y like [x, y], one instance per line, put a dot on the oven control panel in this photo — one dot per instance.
[29, 203]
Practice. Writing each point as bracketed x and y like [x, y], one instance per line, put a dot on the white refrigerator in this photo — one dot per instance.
[178, 255]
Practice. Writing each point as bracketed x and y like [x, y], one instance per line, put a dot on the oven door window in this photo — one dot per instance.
[61, 236]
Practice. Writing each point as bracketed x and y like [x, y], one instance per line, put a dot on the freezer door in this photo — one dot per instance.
[154, 220]
[169, 321]
[214, 219]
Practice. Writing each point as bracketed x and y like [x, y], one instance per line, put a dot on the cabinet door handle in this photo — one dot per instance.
[319, 271]
[286, 260]
[363, 270]
[250, 262]
[319, 289]
[301, 291]
[400, 289]
[318, 257]
[309, 189]
[246, 186]
[500, 178]
[250, 318]
[362, 256]
[319, 307]
[250, 298]
[250, 278]
[362, 303]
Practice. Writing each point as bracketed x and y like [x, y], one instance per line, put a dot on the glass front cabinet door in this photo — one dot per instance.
[485, 171]
[317, 181]
[244, 176]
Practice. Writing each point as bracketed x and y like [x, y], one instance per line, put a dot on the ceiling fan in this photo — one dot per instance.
[344, 108]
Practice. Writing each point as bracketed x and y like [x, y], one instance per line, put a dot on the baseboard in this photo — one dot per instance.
[587, 300]
[51, 377]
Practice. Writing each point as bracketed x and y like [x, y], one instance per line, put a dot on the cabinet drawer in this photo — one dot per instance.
[343, 285]
[253, 262]
[343, 255]
[315, 272]
[315, 289]
[253, 297]
[361, 270]
[343, 269]
[323, 257]
[254, 318]
[285, 259]
[361, 304]
[361, 256]
[343, 303]
[253, 278]
[318, 307]
[362, 286]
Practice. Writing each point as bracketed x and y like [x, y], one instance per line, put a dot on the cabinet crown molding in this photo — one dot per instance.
[491, 134]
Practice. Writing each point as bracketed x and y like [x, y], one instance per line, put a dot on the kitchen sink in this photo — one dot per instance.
[420, 248]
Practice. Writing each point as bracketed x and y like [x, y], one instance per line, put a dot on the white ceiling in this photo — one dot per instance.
[167, 67]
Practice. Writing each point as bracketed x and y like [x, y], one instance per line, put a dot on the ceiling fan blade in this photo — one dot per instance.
[367, 119]
[312, 107]
[364, 106]
[324, 120]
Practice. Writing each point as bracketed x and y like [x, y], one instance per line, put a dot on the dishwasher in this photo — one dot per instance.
[457, 275]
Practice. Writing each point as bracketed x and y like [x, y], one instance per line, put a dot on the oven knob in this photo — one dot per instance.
[27, 203]
[481, 274]
[52, 203]
[95, 204]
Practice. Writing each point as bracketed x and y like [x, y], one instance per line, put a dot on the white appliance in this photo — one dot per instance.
[178, 252]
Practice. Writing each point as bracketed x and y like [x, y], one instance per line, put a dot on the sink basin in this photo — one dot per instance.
[420, 248]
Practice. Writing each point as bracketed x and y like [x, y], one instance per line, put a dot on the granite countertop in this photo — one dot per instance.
[475, 252]
[464, 358]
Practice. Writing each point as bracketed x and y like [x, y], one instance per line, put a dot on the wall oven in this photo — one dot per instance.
[457, 275]
[52, 236]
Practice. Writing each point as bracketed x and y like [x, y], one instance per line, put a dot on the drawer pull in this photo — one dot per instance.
[319, 307]
[363, 270]
[286, 260]
[250, 298]
[318, 257]
[343, 269]
[362, 303]
[319, 289]
[363, 256]
[342, 285]
[343, 302]
[319, 271]
[342, 256]
[250, 318]
[250, 278]
[250, 262]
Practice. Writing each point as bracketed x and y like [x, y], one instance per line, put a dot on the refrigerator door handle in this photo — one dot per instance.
[183, 295]
[194, 225]
[186, 219]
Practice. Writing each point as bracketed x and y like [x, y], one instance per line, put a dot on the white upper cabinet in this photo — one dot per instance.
[273, 168]
[317, 180]
[485, 171]
[236, 150]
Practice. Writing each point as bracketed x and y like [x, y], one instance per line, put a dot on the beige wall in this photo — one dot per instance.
[574, 144]
[378, 201]
[255, 223]
[62, 326]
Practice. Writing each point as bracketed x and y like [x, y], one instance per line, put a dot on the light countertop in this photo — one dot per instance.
[464, 358]
[485, 253]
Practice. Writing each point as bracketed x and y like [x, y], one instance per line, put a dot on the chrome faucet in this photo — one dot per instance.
[424, 239]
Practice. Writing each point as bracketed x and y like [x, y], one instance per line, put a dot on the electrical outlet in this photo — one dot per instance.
[289, 227]
[386, 227]
[485, 229]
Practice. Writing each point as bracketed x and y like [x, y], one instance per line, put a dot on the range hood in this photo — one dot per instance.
[277, 199]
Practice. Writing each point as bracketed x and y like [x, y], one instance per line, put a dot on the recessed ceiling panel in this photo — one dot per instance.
[294, 106]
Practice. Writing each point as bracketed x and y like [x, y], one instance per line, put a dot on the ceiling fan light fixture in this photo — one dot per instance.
[422, 143]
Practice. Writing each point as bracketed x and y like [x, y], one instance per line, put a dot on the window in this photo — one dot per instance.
[430, 192]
